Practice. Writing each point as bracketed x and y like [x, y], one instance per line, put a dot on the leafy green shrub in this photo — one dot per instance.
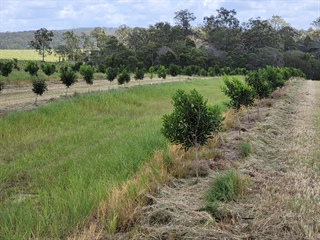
[203, 72]
[67, 77]
[174, 70]
[6, 68]
[124, 77]
[227, 186]
[76, 67]
[211, 72]
[260, 84]
[240, 93]
[191, 70]
[151, 72]
[162, 72]
[32, 67]
[139, 74]
[39, 86]
[87, 72]
[48, 69]
[111, 74]
[192, 121]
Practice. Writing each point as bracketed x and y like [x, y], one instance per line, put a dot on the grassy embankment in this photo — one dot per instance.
[59, 162]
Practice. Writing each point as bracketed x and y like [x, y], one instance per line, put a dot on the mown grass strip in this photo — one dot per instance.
[59, 162]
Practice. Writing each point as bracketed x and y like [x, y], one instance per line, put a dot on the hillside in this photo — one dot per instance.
[21, 40]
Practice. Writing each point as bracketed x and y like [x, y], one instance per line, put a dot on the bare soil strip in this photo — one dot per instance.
[284, 196]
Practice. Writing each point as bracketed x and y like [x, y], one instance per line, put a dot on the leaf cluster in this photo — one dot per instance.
[87, 72]
[67, 76]
[124, 77]
[111, 73]
[6, 68]
[162, 72]
[139, 74]
[48, 69]
[32, 67]
[239, 92]
[192, 121]
[39, 86]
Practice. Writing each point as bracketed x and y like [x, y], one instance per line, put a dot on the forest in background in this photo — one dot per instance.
[221, 42]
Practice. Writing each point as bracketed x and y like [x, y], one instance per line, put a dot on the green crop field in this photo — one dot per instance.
[60, 161]
[26, 55]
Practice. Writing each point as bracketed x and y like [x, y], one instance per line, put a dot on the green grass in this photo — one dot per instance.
[227, 186]
[60, 161]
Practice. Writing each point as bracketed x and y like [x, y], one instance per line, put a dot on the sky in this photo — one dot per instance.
[61, 14]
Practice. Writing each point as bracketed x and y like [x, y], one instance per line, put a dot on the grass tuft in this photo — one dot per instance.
[227, 186]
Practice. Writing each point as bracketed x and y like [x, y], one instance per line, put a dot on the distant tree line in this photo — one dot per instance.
[221, 45]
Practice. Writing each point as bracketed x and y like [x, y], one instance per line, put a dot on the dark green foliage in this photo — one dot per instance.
[32, 68]
[101, 68]
[240, 93]
[48, 69]
[6, 68]
[203, 72]
[87, 72]
[1, 86]
[192, 121]
[67, 76]
[162, 72]
[139, 74]
[174, 70]
[76, 67]
[151, 72]
[191, 70]
[111, 74]
[211, 72]
[15, 64]
[39, 86]
[259, 83]
[124, 77]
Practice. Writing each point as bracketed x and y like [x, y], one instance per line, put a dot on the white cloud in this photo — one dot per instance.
[32, 14]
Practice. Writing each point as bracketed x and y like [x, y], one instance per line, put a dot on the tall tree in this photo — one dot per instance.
[72, 43]
[41, 42]
[223, 30]
[183, 19]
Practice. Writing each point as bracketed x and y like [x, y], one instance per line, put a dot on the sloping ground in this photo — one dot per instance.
[284, 196]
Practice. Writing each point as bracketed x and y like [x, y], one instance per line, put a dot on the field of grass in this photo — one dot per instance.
[59, 162]
[26, 54]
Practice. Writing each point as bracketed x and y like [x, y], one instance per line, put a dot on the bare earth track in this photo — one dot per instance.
[284, 196]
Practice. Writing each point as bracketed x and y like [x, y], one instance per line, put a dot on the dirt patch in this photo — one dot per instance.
[283, 198]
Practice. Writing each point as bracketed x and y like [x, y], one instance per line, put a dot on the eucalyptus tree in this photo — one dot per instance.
[41, 42]
[223, 29]
[72, 43]
[183, 18]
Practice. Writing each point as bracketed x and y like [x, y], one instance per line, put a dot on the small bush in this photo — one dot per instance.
[123, 78]
[226, 187]
[39, 86]
[162, 72]
[32, 67]
[87, 72]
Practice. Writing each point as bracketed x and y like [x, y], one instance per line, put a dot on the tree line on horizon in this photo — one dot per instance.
[221, 42]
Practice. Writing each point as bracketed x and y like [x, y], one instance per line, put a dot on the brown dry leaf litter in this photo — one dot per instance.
[284, 197]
